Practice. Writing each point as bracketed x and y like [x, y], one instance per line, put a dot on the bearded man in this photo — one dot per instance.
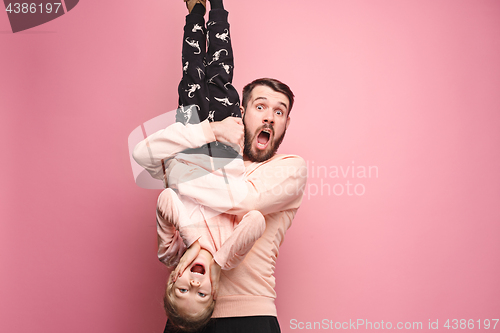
[273, 184]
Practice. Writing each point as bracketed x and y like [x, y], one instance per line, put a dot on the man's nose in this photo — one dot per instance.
[195, 283]
[269, 117]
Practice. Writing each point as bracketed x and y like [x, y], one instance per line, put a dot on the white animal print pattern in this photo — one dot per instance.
[192, 89]
[224, 36]
[224, 101]
[194, 44]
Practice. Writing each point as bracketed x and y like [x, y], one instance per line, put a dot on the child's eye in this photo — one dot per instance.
[182, 290]
[202, 294]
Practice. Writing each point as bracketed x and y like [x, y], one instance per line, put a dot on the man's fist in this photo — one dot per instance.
[229, 131]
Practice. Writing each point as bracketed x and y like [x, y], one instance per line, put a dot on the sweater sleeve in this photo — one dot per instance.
[278, 185]
[170, 244]
[153, 152]
[236, 247]
[175, 231]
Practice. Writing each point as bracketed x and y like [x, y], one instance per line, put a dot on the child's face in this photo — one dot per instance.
[193, 289]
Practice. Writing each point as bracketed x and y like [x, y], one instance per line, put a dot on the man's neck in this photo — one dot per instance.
[246, 161]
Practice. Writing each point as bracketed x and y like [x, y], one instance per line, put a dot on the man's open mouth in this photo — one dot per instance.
[198, 269]
[263, 138]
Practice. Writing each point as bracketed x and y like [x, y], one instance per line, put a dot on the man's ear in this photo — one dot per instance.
[242, 109]
[287, 122]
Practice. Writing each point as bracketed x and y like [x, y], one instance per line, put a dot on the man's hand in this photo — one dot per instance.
[229, 131]
[187, 258]
[214, 278]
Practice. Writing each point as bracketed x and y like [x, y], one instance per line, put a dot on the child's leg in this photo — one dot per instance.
[224, 99]
[235, 248]
[193, 91]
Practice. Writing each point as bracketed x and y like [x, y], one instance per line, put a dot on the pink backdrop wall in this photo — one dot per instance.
[408, 88]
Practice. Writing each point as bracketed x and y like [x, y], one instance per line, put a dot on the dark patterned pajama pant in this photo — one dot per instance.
[206, 90]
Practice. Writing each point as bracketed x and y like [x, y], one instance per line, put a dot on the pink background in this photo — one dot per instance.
[411, 88]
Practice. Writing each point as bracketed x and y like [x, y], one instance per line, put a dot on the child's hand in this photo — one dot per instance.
[214, 278]
[187, 258]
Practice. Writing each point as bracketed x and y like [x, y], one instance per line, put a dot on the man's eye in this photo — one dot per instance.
[202, 294]
[182, 290]
[260, 107]
[279, 112]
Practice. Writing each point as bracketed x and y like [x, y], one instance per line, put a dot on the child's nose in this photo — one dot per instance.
[195, 283]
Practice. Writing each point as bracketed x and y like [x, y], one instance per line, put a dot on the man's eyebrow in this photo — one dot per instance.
[264, 98]
[284, 104]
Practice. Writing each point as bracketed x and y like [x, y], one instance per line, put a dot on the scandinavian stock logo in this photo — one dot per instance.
[143, 178]
[219, 173]
[26, 15]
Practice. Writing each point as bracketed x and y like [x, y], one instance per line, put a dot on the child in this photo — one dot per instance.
[214, 241]
[218, 243]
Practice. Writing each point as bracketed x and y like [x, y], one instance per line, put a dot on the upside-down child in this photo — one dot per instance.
[219, 243]
[197, 239]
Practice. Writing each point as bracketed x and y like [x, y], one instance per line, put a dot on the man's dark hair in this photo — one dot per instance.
[274, 84]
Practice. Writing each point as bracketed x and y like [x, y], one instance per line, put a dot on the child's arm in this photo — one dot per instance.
[186, 260]
[214, 278]
[170, 244]
[174, 227]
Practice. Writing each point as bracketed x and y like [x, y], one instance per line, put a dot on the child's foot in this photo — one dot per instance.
[191, 4]
[216, 4]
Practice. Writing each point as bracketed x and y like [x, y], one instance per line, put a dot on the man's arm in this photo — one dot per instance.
[153, 152]
[275, 186]
[156, 150]
[242, 238]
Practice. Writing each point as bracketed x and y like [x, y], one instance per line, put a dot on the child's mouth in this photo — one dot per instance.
[198, 269]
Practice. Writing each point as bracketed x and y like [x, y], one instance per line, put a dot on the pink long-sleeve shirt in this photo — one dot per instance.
[273, 187]
[225, 237]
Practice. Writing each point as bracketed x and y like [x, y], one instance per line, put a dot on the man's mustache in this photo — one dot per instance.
[266, 126]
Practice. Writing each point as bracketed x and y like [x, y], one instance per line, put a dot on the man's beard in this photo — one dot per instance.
[260, 155]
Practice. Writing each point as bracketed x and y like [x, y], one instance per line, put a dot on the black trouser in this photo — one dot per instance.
[206, 87]
[253, 324]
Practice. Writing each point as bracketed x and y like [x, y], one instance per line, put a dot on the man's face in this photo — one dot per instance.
[266, 120]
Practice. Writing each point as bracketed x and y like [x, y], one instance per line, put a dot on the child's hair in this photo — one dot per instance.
[184, 321]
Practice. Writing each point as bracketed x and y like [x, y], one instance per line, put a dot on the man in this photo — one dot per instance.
[274, 185]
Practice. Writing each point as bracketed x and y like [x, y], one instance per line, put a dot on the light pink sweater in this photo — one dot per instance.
[223, 235]
[274, 187]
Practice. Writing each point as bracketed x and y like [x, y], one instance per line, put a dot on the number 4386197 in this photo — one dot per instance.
[470, 324]
[32, 8]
